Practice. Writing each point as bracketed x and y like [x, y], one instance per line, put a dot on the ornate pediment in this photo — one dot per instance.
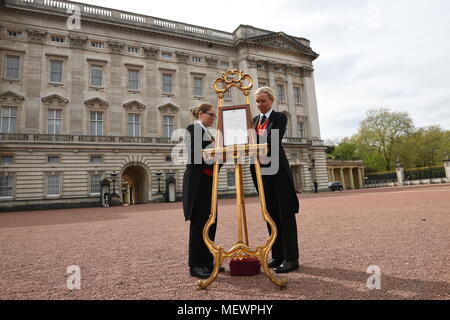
[280, 40]
[10, 97]
[55, 100]
[169, 108]
[134, 106]
[96, 103]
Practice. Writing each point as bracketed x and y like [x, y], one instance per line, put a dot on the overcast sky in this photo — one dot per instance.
[392, 54]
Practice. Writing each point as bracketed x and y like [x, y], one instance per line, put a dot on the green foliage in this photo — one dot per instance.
[384, 136]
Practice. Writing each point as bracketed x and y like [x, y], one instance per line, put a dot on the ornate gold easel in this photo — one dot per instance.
[241, 250]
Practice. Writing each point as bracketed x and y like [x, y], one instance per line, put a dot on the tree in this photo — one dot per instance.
[382, 130]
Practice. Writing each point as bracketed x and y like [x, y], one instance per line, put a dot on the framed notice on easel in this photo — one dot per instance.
[234, 125]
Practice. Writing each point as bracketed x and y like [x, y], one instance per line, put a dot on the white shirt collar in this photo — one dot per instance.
[201, 124]
[267, 114]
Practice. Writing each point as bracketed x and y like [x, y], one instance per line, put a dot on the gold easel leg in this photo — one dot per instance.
[218, 260]
[263, 254]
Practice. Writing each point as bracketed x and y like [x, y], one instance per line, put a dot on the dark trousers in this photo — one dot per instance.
[199, 255]
[286, 242]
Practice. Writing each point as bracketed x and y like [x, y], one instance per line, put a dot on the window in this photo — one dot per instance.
[259, 66]
[7, 159]
[134, 50]
[198, 87]
[197, 59]
[8, 120]
[54, 159]
[166, 55]
[95, 183]
[167, 83]
[96, 159]
[59, 39]
[167, 126]
[53, 185]
[12, 67]
[261, 84]
[301, 130]
[133, 79]
[280, 93]
[15, 34]
[54, 121]
[224, 64]
[97, 76]
[97, 44]
[96, 123]
[231, 178]
[6, 187]
[56, 71]
[133, 125]
[297, 95]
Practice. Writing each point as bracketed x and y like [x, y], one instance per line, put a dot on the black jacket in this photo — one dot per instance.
[286, 194]
[194, 167]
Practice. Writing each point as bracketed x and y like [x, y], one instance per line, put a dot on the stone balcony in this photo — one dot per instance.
[87, 139]
[96, 13]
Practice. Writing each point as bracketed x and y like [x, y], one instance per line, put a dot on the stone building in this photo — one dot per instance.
[351, 173]
[87, 91]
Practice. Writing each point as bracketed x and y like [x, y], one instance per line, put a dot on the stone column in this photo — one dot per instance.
[400, 175]
[32, 80]
[291, 102]
[447, 168]
[352, 182]
[342, 177]
[360, 181]
[311, 104]
[271, 69]
[249, 67]
[332, 175]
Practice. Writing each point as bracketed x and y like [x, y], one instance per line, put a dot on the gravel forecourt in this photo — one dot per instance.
[140, 252]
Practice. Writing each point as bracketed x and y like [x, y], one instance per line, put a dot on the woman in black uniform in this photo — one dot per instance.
[197, 187]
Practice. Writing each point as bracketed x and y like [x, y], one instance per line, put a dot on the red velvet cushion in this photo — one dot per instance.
[245, 267]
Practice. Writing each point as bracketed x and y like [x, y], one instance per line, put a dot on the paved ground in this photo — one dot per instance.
[140, 252]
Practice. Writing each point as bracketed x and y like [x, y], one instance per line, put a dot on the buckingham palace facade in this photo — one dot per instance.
[86, 92]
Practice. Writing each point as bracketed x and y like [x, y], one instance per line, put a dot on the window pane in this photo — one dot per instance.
[56, 71]
[133, 79]
[12, 67]
[8, 119]
[301, 130]
[96, 76]
[6, 186]
[167, 83]
[133, 124]
[280, 91]
[297, 94]
[96, 123]
[198, 87]
[95, 183]
[167, 126]
[231, 178]
[53, 185]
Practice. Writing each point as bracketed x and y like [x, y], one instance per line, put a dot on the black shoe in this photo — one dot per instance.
[211, 268]
[287, 266]
[200, 272]
[274, 263]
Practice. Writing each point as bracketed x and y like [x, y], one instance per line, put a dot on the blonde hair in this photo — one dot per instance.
[267, 90]
[204, 107]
